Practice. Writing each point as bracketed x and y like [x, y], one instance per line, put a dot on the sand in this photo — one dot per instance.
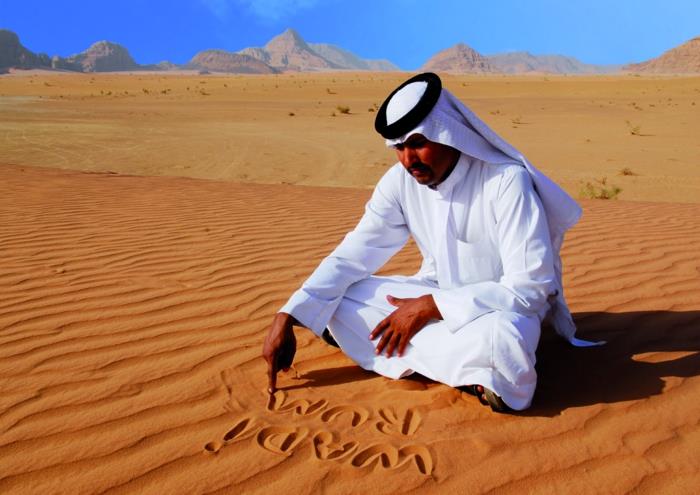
[576, 129]
[133, 302]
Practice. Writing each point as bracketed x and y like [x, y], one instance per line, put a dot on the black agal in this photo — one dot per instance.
[416, 114]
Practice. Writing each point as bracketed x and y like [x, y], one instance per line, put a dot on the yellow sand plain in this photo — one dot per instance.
[133, 304]
[576, 129]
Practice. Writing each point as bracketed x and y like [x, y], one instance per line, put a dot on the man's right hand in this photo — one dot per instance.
[279, 347]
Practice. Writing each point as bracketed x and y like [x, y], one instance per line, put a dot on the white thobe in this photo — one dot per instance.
[487, 261]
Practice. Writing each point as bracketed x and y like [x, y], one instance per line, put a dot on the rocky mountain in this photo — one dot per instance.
[223, 61]
[683, 59]
[348, 60]
[459, 58]
[103, 56]
[288, 51]
[14, 55]
[465, 60]
[524, 62]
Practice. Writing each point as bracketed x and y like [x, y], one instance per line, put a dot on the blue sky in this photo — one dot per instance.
[407, 32]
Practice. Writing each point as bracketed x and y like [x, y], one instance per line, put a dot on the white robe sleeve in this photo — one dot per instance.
[525, 251]
[380, 234]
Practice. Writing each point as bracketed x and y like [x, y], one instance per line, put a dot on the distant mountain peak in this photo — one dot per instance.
[458, 58]
[102, 56]
[683, 59]
[291, 33]
[14, 54]
[288, 39]
[104, 44]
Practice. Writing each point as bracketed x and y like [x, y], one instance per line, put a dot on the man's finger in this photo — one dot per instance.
[285, 357]
[383, 325]
[392, 344]
[383, 342]
[402, 345]
[272, 375]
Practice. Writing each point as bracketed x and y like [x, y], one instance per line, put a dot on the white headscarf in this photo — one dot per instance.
[451, 123]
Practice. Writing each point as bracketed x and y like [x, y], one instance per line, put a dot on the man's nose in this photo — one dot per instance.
[408, 156]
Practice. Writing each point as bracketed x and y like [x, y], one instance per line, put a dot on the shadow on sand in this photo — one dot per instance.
[325, 377]
[623, 369]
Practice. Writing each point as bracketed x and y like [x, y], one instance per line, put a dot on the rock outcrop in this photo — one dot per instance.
[459, 59]
[103, 56]
[683, 59]
[223, 61]
[288, 51]
[14, 55]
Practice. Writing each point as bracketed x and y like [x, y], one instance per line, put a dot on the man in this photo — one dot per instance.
[489, 227]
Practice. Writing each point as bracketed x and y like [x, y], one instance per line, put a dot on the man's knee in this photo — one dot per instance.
[515, 339]
[521, 328]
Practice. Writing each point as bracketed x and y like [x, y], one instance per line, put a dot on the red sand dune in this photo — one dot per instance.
[132, 313]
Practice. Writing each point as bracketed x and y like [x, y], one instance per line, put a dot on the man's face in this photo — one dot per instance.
[428, 162]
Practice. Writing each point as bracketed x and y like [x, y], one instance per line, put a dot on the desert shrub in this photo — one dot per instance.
[635, 130]
[599, 189]
[343, 109]
[627, 171]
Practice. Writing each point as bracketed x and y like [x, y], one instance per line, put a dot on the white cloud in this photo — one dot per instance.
[268, 10]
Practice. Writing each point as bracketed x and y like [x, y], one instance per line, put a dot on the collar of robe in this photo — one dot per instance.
[444, 189]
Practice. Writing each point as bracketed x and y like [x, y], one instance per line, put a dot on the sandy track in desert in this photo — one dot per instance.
[132, 311]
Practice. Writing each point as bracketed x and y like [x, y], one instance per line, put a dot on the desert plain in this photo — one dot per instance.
[151, 225]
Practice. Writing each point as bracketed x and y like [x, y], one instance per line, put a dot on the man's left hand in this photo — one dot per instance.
[397, 329]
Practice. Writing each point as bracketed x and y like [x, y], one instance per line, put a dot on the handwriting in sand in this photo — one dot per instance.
[327, 445]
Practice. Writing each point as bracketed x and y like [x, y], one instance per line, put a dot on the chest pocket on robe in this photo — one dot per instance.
[477, 261]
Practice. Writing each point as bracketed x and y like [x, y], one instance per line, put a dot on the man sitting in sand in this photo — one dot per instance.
[489, 227]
